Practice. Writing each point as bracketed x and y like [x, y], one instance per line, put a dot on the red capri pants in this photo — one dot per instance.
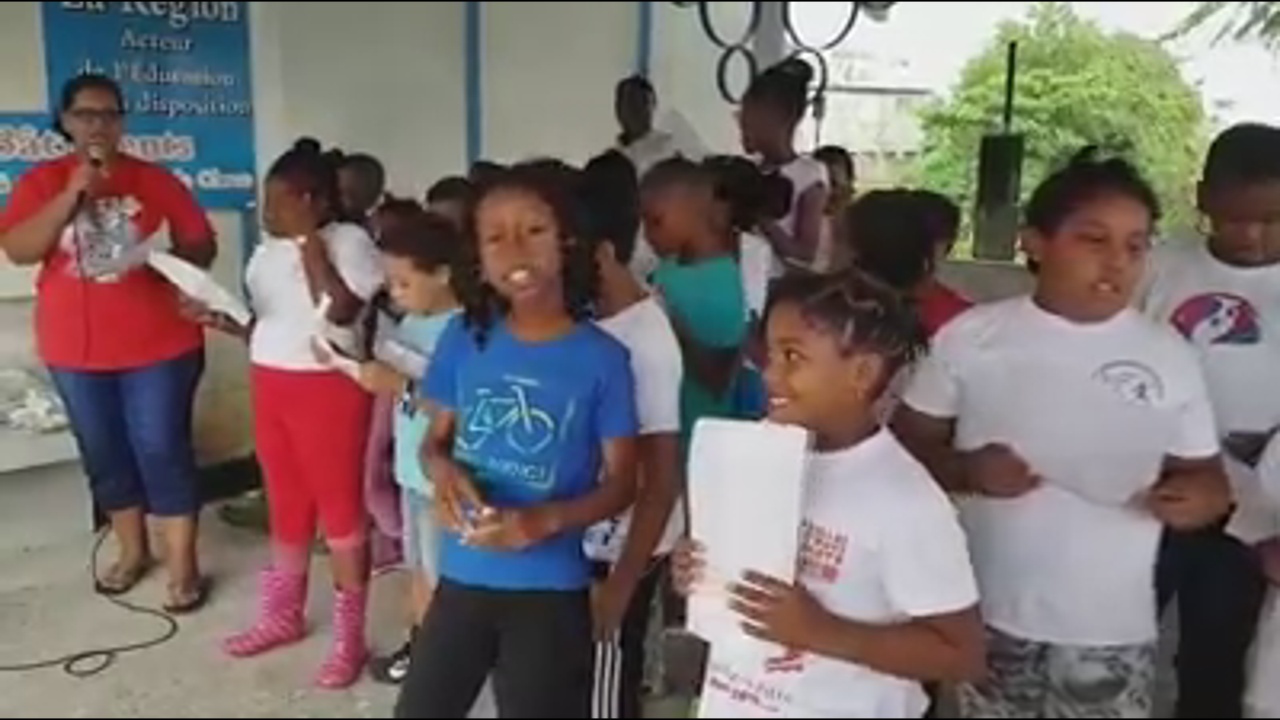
[310, 429]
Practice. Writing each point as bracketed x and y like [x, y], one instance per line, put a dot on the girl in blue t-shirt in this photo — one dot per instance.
[532, 440]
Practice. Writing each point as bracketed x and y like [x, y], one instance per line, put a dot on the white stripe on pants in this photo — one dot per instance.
[606, 694]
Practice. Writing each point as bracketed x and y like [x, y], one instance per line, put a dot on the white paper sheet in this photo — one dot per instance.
[746, 484]
[199, 285]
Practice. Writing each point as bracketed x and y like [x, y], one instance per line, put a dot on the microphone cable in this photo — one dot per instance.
[91, 662]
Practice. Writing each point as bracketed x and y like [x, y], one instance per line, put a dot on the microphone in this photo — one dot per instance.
[97, 156]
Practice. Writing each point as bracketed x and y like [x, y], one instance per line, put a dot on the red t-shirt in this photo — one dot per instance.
[115, 323]
[940, 305]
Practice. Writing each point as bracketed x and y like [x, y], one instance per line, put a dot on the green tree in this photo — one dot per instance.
[1241, 21]
[1076, 85]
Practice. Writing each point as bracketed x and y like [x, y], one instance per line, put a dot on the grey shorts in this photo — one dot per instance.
[1037, 680]
[421, 535]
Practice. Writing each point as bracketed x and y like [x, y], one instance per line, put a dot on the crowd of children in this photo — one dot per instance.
[1001, 498]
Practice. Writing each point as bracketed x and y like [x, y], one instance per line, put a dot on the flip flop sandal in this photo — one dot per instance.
[190, 601]
[121, 581]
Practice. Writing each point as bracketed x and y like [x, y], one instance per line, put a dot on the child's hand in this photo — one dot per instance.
[687, 566]
[1185, 502]
[609, 601]
[512, 529]
[997, 471]
[778, 612]
[1269, 554]
[459, 505]
[379, 378]
[195, 311]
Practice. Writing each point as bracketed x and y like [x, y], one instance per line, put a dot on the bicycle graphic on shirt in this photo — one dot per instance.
[526, 428]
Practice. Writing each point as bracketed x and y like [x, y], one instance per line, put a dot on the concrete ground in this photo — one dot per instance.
[47, 610]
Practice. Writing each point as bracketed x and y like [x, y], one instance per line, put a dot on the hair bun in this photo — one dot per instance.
[796, 69]
[307, 145]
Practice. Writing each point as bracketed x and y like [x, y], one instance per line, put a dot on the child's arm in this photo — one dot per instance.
[803, 243]
[947, 647]
[1193, 490]
[930, 440]
[658, 488]
[943, 648]
[519, 528]
[1191, 493]
[379, 378]
[993, 470]
[457, 499]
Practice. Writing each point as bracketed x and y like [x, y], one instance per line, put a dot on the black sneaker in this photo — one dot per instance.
[392, 669]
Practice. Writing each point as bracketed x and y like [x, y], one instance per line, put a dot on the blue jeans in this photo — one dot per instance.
[133, 429]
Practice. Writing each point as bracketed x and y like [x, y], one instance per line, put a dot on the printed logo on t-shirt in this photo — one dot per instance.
[748, 691]
[790, 661]
[1218, 319]
[1133, 382]
[821, 553]
[103, 239]
[510, 430]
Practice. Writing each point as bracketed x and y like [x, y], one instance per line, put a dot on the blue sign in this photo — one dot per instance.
[185, 71]
[25, 139]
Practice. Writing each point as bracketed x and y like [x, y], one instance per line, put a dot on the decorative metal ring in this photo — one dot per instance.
[741, 47]
[722, 72]
[788, 25]
[708, 27]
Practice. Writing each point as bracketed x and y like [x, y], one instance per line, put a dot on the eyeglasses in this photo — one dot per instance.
[87, 115]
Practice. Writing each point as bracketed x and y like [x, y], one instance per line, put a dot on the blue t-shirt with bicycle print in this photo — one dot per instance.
[531, 419]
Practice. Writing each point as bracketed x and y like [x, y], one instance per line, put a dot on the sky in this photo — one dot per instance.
[1240, 81]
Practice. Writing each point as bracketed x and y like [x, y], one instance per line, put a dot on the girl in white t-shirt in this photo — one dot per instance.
[1075, 428]
[773, 106]
[310, 420]
[886, 598]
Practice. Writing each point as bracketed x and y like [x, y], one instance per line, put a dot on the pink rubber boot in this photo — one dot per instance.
[349, 653]
[281, 615]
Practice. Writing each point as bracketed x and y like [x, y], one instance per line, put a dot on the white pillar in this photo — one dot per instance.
[770, 43]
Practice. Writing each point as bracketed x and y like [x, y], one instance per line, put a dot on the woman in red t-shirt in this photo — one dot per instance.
[125, 361]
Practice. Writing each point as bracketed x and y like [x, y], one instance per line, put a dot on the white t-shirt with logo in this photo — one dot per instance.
[881, 544]
[658, 368]
[282, 304]
[1231, 316]
[1058, 565]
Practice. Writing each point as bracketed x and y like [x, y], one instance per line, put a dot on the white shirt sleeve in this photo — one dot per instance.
[925, 558]
[356, 258]
[1195, 432]
[934, 388]
[658, 370]
[1269, 473]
